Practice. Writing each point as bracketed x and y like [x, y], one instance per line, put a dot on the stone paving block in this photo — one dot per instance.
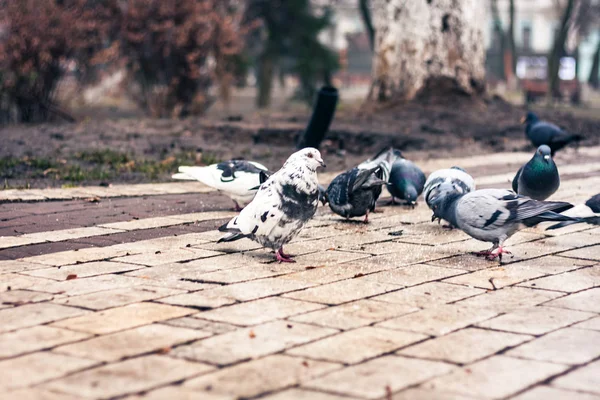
[429, 234]
[399, 253]
[497, 277]
[224, 262]
[586, 378]
[35, 314]
[465, 346]
[36, 394]
[573, 281]
[118, 297]
[34, 368]
[355, 314]
[229, 247]
[179, 393]
[259, 311]
[167, 256]
[547, 392]
[536, 320]
[343, 291]
[174, 241]
[69, 234]
[121, 318]
[201, 299]
[145, 223]
[440, 320]
[303, 394]
[495, 378]
[566, 346]
[367, 342]
[322, 274]
[130, 376]
[467, 262]
[529, 250]
[76, 256]
[419, 393]
[75, 287]
[18, 266]
[554, 264]
[574, 240]
[329, 257]
[246, 273]
[370, 379]
[587, 253]
[260, 376]
[413, 275]
[429, 294]
[83, 270]
[35, 338]
[200, 324]
[9, 282]
[509, 299]
[248, 343]
[593, 324]
[21, 297]
[143, 339]
[588, 300]
[17, 241]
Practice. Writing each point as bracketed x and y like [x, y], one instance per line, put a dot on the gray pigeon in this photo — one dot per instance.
[494, 215]
[406, 181]
[538, 178]
[354, 193]
[589, 213]
[445, 182]
[282, 205]
[542, 132]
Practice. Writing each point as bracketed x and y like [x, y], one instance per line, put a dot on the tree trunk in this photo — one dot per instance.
[365, 14]
[427, 47]
[593, 80]
[557, 51]
[266, 67]
[499, 33]
[511, 37]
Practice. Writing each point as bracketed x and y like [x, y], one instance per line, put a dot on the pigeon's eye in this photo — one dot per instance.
[310, 155]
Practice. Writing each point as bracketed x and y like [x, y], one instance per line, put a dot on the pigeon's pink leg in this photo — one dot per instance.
[498, 253]
[366, 221]
[282, 258]
[284, 254]
[236, 206]
[486, 253]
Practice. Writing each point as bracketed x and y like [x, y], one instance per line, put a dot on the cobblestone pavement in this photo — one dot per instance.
[124, 293]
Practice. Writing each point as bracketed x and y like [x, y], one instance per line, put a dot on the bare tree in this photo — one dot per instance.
[500, 35]
[365, 13]
[511, 36]
[558, 49]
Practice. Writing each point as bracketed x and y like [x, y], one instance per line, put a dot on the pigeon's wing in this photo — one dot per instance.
[515, 182]
[384, 159]
[366, 178]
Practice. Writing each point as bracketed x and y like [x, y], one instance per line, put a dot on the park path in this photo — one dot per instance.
[123, 292]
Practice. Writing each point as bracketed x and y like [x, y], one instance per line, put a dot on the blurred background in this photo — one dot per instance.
[101, 91]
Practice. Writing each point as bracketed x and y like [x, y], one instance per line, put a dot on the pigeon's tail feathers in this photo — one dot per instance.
[183, 177]
[233, 232]
[202, 174]
[549, 216]
[231, 237]
[384, 159]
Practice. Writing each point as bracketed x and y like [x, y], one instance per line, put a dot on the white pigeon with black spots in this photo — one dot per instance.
[284, 203]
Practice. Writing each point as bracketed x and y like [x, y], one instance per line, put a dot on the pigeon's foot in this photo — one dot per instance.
[392, 202]
[366, 221]
[236, 206]
[485, 253]
[284, 254]
[283, 257]
[497, 253]
[448, 226]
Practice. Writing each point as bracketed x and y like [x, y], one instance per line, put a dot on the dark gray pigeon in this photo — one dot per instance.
[444, 182]
[589, 213]
[538, 178]
[354, 193]
[406, 181]
[542, 132]
[494, 215]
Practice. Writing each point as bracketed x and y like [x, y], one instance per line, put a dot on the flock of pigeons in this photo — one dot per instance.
[279, 204]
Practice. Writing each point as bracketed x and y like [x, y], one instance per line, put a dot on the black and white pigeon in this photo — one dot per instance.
[494, 215]
[238, 179]
[354, 193]
[538, 178]
[445, 182]
[541, 132]
[589, 213]
[406, 181]
[282, 205]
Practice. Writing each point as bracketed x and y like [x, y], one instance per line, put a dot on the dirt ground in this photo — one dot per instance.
[141, 150]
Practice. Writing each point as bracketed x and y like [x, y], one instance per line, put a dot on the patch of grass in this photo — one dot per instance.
[106, 156]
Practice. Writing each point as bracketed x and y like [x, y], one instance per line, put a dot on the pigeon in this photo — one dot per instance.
[444, 182]
[354, 193]
[282, 205]
[542, 132]
[406, 181]
[538, 178]
[494, 215]
[264, 175]
[238, 179]
[589, 212]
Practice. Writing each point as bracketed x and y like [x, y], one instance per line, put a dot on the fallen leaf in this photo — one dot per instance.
[396, 233]
[305, 363]
[290, 326]
[164, 350]
[157, 252]
[252, 335]
[71, 277]
[359, 275]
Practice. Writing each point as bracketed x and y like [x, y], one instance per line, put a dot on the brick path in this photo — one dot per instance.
[131, 297]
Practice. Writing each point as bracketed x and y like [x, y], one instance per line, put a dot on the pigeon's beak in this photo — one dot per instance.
[547, 157]
[322, 162]
[523, 119]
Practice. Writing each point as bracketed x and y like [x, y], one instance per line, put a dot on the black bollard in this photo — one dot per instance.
[322, 116]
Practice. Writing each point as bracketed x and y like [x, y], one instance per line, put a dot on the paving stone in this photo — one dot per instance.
[76, 256]
[200, 324]
[566, 346]
[167, 256]
[145, 223]
[355, 314]
[242, 274]
[37, 314]
[586, 378]
[588, 253]
[588, 300]
[573, 281]
[593, 324]
[18, 266]
[529, 250]
[554, 264]
[343, 291]
[229, 247]
[439, 320]
[83, 270]
[429, 234]
[260, 376]
[329, 257]
[132, 342]
[429, 294]
[9, 282]
[130, 376]
[322, 274]
[259, 311]
[535, 320]
[370, 379]
[465, 346]
[547, 392]
[35, 338]
[201, 299]
[34, 368]
[17, 241]
[366, 342]
[467, 262]
[21, 297]
[413, 275]
[509, 299]
[248, 343]
[499, 277]
[36, 394]
[118, 297]
[396, 254]
[496, 377]
[75, 287]
[424, 394]
[121, 318]
[302, 394]
[69, 234]
[179, 393]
